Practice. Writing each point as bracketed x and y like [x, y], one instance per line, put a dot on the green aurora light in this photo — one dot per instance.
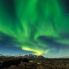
[26, 20]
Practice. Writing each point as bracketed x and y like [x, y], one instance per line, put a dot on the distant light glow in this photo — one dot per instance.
[35, 51]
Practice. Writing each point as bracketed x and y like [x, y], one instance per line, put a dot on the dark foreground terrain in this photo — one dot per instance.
[33, 62]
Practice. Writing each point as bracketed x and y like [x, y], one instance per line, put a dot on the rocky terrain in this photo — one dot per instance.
[33, 62]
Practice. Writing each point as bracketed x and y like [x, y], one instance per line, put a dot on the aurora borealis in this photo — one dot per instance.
[37, 26]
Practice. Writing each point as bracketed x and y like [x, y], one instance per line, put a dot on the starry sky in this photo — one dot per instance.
[39, 27]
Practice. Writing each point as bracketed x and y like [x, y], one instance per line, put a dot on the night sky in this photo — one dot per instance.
[39, 27]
